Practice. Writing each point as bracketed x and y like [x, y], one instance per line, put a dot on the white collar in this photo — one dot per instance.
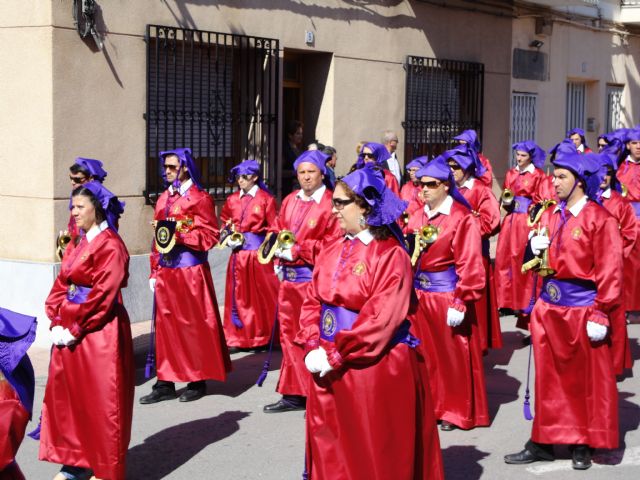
[577, 207]
[468, 183]
[96, 230]
[315, 196]
[606, 193]
[529, 168]
[364, 236]
[581, 148]
[252, 191]
[184, 186]
[629, 159]
[444, 208]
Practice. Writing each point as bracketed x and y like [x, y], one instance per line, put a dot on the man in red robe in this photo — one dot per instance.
[190, 343]
[576, 400]
[307, 214]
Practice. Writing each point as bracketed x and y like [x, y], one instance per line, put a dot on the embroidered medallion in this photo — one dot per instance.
[257, 209]
[329, 323]
[176, 209]
[424, 281]
[312, 222]
[576, 233]
[553, 291]
[72, 291]
[290, 274]
[358, 269]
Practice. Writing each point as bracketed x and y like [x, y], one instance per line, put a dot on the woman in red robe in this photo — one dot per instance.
[576, 399]
[88, 401]
[449, 277]
[369, 414]
[251, 290]
[377, 154]
[529, 185]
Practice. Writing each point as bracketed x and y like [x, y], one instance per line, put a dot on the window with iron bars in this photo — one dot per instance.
[614, 107]
[216, 93]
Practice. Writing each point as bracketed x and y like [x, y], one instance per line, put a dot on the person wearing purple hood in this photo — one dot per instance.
[377, 154]
[251, 290]
[411, 191]
[189, 339]
[470, 138]
[576, 135]
[88, 400]
[449, 277]
[369, 412]
[576, 399]
[17, 387]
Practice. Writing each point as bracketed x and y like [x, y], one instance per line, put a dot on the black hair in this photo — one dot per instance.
[75, 168]
[381, 232]
[85, 192]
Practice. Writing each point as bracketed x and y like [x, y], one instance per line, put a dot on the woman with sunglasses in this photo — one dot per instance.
[88, 400]
[529, 185]
[251, 289]
[377, 154]
[369, 414]
[467, 169]
[449, 277]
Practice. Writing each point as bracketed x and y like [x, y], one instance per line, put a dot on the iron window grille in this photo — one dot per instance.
[614, 107]
[576, 105]
[216, 93]
[524, 114]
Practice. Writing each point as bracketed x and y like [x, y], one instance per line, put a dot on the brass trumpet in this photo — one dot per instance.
[424, 237]
[428, 234]
[225, 233]
[405, 218]
[63, 240]
[507, 197]
[624, 191]
[236, 237]
[286, 239]
[540, 263]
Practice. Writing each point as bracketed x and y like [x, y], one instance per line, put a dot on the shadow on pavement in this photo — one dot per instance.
[246, 371]
[502, 388]
[462, 462]
[167, 450]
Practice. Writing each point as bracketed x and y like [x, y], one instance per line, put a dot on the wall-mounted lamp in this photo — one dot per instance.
[536, 44]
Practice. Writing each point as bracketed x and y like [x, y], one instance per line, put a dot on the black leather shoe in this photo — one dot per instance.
[523, 457]
[158, 395]
[194, 391]
[447, 426]
[581, 457]
[282, 405]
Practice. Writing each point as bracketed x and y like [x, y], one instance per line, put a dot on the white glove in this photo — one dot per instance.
[152, 284]
[454, 317]
[316, 361]
[233, 244]
[279, 271]
[595, 331]
[66, 338]
[56, 335]
[285, 254]
[539, 243]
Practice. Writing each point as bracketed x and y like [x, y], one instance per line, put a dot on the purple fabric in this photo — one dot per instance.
[186, 160]
[402, 335]
[471, 137]
[467, 158]
[565, 147]
[183, 257]
[537, 154]
[439, 168]
[443, 281]
[297, 274]
[77, 293]
[252, 241]
[608, 159]
[632, 134]
[636, 208]
[521, 204]
[315, 157]
[580, 132]
[380, 154]
[368, 183]
[586, 167]
[568, 293]
[248, 167]
[333, 319]
[417, 163]
[112, 207]
[94, 167]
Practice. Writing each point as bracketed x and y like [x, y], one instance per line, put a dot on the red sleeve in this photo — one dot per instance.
[468, 260]
[627, 226]
[226, 214]
[607, 252]
[308, 249]
[204, 233]
[270, 212]
[545, 190]
[392, 182]
[57, 295]
[488, 210]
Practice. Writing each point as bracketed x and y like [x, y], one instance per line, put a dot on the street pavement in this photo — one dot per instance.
[225, 435]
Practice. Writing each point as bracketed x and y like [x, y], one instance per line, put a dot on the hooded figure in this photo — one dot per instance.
[94, 167]
[582, 147]
[186, 160]
[537, 154]
[248, 167]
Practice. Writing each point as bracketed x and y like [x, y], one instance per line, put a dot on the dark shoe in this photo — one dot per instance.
[160, 392]
[526, 341]
[521, 458]
[194, 391]
[74, 473]
[533, 452]
[233, 350]
[283, 405]
[581, 457]
[447, 426]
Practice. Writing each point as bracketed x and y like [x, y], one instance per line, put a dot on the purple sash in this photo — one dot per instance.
[521, 204]
[252, 241]
[568, 293]
[182, 257]
[77, 293]
[636, 208]
[443, 281]
[297, 274]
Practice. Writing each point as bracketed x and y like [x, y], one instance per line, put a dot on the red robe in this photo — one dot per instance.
[13, 423]
[372, 417]
[391, 181]
[629, 175]
[486, 210]
[516, 288]
[252, 286]
[190, 343]
[453, 355]
[311, 223]
[576, 400]
[88, 401]
[487, 178]
[623, 212]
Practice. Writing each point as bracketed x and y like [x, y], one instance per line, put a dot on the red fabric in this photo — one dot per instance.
[391, 181]
[453, 355]
[190, 343]
[516, 288]
[88, 401]
[255, 287]
[13, 423]
[576, 400]
[410, 192]
[629, 175]
[311, 223]
[486, 210]
[372, 417]
[487, 178]
[623, 212]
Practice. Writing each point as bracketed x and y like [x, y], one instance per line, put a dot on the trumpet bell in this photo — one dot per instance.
[286, 239]
[507, 197]
[236, 237]
[429, 234]
[63, 240]
[268, 249]
[225, 233]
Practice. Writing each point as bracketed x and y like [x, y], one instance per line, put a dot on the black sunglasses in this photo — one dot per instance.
[431, 185]
[367, 155]
[455, 166]
[339, 203]
[171, 167]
